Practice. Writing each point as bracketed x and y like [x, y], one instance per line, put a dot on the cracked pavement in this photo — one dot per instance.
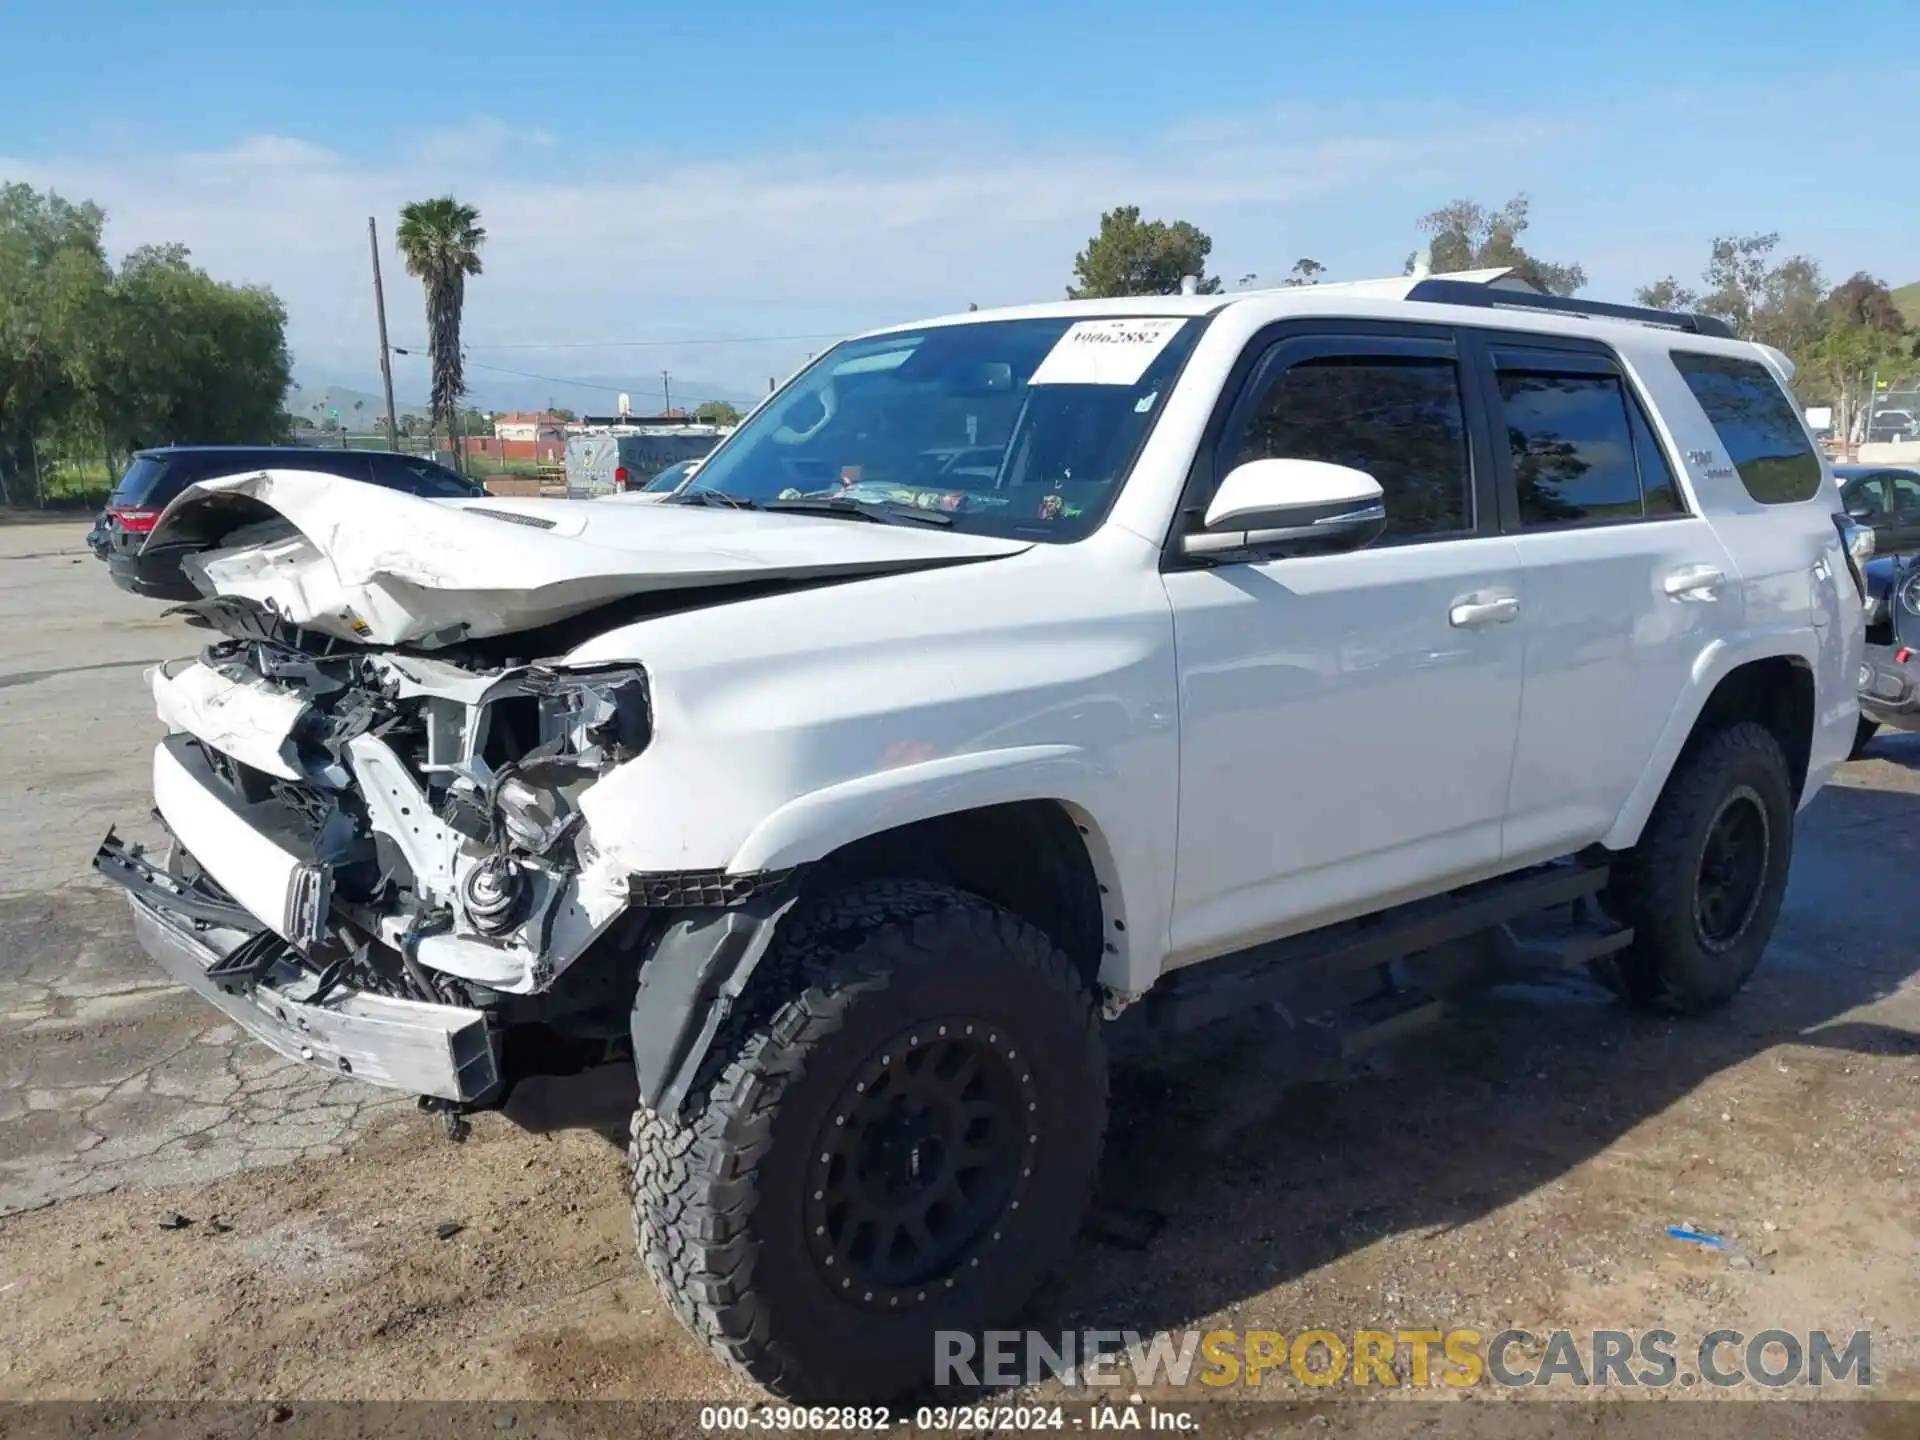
[108, 1072]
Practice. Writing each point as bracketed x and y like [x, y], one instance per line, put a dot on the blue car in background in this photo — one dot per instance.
[1886, 497]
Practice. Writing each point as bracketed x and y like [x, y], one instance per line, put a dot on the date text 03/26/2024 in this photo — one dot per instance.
[966, 1419]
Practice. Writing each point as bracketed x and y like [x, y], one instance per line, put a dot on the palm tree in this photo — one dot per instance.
[440, 241]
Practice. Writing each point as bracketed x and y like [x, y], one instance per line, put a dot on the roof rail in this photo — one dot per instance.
[1487, 297]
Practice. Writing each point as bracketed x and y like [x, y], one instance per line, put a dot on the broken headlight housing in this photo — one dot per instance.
[527, 751]
[530, 817]
[589, 719]
[588, 722]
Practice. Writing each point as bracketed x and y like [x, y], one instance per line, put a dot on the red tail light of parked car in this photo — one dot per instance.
[136, 519]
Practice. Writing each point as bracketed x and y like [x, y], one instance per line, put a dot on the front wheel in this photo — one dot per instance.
[1702, 889]
[898, 1138]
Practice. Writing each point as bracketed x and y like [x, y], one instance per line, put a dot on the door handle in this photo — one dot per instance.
[1470, 612]
[1691, 581]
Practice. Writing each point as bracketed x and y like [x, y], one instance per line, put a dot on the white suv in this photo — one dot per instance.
[1004, 676]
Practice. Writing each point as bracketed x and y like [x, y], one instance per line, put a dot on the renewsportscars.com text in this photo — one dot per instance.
[1460, 1358]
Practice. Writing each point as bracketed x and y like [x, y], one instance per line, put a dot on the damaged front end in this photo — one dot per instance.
[378, 859]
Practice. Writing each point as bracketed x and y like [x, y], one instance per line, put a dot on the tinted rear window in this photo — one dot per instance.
[1757, 424]
[141, 482]
[419, 477]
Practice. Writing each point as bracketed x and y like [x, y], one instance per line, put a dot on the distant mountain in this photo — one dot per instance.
[589, 395]
[1907, 297]
[313, 404]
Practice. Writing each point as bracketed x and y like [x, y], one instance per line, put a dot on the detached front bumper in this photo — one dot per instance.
[1890, 686]
[422, 1049]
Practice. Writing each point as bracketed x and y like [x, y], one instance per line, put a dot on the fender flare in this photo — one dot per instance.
[700, 963]
[815, 824]
[1714, 663]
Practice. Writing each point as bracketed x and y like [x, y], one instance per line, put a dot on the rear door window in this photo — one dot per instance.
[1756, 423]
[1571, 448]
[1579, 449]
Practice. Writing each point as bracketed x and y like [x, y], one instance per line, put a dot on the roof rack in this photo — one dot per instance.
[1488, 297]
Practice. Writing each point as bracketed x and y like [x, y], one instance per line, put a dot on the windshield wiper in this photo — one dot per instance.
[712, 497]
[881, 512]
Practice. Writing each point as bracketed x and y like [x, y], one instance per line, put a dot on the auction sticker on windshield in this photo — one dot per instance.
[1106, 352]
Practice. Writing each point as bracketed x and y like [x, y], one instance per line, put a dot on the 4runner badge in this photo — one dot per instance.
[1705, 459]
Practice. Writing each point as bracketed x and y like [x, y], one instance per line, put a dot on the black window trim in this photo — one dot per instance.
[1488, 352]
[1359, 338]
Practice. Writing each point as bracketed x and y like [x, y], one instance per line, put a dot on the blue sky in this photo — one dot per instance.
[695, 173]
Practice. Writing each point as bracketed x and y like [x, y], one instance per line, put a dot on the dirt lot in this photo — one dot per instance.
[1517, 1169]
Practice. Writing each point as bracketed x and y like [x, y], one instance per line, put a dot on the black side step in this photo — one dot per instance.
[1325, 969]
[1354, 1031]
[1557, 945]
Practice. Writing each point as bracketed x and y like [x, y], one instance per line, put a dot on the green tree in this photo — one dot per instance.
[1667, 294]
[440, 241]
[183, 358]
[157, 351]
[561, 413]
[1862, 300]
[1779, 302]
[1774, 302]
[1304, 272]
[1839, 366]
[1129, 256]
[717, 412]
[53, 291]
[1466, 235]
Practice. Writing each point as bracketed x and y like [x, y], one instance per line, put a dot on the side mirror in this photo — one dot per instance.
[1304, 504]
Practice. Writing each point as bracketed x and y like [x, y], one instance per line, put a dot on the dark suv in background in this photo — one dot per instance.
[1886, 497]
[156, 476]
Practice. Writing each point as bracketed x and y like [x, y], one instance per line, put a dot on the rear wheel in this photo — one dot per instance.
[1702, 889]
[898, 1138]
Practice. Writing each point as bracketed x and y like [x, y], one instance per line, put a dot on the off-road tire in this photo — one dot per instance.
[721, 1197]
[1863, 734]
[1673, 965]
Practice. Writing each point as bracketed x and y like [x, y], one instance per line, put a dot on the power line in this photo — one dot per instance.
[645, 344]
[583, 384]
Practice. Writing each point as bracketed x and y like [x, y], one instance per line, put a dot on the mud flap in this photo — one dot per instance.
[690, 981]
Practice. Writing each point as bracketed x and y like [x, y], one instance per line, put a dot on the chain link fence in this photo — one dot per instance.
[75, 477]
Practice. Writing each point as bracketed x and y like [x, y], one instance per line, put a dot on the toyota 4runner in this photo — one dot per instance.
[1005, 683]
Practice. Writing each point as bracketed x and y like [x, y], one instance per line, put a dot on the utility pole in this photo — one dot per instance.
[666, 391]
[386, 361]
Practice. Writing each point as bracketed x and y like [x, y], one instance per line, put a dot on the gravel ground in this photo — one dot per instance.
[1517, 1168]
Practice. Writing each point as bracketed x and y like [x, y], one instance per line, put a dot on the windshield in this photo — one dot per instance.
[669, 478]
[1011, 427]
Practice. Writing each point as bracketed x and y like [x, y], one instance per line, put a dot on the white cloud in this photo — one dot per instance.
[485, 141]
[900, 222]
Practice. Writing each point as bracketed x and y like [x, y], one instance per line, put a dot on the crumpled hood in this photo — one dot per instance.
[385, 568]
